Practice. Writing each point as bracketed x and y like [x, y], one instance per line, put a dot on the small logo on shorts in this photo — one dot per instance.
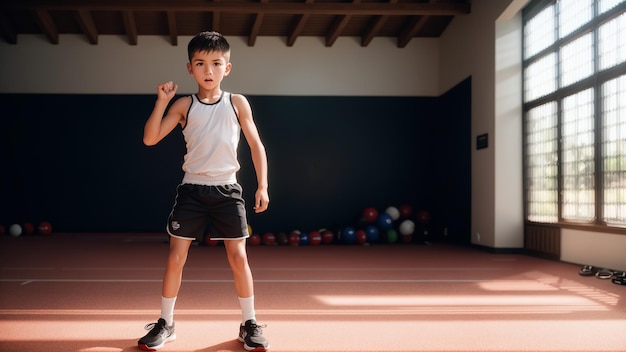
[175, 225]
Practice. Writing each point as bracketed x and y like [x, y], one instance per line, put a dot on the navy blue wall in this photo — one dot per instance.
[79, 162]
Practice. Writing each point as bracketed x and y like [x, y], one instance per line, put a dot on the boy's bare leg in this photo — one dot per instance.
[162, 331]
[249, 332]
[238, 260]
[176, 259]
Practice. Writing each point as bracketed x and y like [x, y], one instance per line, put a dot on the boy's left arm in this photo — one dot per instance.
[257, 150]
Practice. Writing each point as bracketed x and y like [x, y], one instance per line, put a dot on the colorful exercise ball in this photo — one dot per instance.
[210, 242]
[370, 215]
[407, 227]
[269, 239]
[304, 239]
[315, 238]
[254, 239]
[423, 217]
[385, 221]
[361, 236]
[294, 238]
[15, 230]
[44, 228]
[348, 235]
[328, 236]
[392, 236]
[405, 211]
[393, 212]
[372, 233]
[28, 228]
[282, 239]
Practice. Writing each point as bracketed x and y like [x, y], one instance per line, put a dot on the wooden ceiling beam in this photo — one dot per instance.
[215, 21]
[86, 23]
[299, 26]
[256, 27]
[130, 25]
[375, 27]
[285, 8]
[413, 28]
[172, 28]
[339, 25]
[47, 25]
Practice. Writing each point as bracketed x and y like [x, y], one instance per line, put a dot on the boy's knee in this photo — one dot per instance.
[177, 259]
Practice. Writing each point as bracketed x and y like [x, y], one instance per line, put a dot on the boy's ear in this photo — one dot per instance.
[228, 67]
[189, 68]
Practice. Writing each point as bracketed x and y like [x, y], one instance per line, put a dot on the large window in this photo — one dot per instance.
[574, 61]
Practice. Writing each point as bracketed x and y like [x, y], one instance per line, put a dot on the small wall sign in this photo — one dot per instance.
[482, 141]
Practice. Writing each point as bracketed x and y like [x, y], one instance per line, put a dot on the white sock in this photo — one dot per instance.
[167, 309]
[247, 309]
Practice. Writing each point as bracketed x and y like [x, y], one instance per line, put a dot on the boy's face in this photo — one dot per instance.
[208, 68]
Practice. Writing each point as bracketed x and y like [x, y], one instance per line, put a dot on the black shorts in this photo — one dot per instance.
[222, 207]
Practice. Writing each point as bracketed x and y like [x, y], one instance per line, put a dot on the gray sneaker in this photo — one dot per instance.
[158, 335]
[252, 337]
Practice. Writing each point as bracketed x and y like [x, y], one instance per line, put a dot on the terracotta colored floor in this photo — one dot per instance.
[89, 293]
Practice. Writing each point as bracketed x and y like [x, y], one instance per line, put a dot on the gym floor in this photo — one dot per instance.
[95, 292]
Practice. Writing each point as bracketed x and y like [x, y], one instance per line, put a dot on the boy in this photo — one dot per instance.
[211, 122]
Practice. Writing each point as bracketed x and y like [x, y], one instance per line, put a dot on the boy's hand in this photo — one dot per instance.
[261, 200]
[166, 90]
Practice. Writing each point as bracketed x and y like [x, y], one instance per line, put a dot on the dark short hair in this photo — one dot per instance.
[208, 41]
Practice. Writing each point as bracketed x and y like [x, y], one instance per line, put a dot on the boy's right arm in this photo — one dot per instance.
[159, 126]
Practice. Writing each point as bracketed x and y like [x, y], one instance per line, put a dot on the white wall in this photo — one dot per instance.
[489, 42]
[603, 250]
[268, 68]
[509, 207]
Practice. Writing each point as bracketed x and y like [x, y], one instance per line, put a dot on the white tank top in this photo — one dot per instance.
[211, 134]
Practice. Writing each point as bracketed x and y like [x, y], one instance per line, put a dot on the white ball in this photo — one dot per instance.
[407, 227]
[393, 212]
[15, 230]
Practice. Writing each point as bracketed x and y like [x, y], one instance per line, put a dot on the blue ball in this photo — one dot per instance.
[304, 238]
[385, 221]
[372, 234]
[348, 235]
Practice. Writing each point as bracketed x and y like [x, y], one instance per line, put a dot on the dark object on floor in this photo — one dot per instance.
[604, 274]
[619, 279]
[587, 270]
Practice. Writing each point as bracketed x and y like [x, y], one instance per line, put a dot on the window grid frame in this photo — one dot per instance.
[595, 82]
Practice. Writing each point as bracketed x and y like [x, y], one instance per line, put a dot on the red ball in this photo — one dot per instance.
[44, 228]
[423, 217]
[282, 239]
[269, 239]
[209, 241]
[405, 211]
[327, 236]
[294, 238]
[29, 228]
[254, 239]
[406, 238]
[361, 236]
[370, 215]
[315, 238]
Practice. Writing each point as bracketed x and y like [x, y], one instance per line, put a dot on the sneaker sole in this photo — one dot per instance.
[252, 349]
[157, 347]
